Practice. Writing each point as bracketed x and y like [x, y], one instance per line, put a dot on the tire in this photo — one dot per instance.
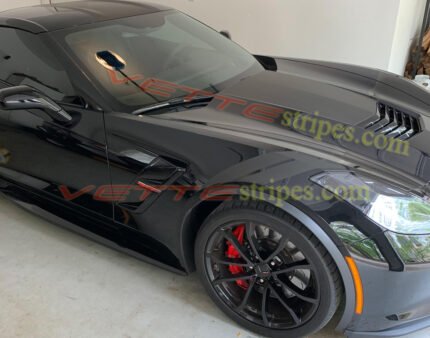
[310, 287]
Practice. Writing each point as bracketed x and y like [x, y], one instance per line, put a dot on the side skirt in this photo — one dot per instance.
[107, 240]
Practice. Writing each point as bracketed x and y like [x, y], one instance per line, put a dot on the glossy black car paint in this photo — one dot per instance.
[207, 147]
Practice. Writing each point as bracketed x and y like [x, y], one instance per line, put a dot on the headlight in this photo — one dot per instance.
[357, 242]
[393, 208]
[412, 249]
[405, 215]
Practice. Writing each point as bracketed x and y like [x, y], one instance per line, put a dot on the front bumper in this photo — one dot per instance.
[404, 330]
[396, 304]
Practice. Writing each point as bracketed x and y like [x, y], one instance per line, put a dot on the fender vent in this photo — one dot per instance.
[394, 123]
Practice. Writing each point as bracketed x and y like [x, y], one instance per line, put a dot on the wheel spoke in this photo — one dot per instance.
[293, 315]
[299, 265]
[233, 278]
[226, 260]
[247, 295]
[228, 235]
[264, 306]
[278, 250]
[250, 232]
[297, 292]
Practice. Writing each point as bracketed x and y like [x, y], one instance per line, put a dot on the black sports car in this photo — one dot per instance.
[295, 188]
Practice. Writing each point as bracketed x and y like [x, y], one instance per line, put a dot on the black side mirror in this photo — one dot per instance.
[25, 97]
[226, 34]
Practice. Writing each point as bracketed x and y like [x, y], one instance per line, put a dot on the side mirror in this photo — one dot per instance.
[25, 97]
[226, 34]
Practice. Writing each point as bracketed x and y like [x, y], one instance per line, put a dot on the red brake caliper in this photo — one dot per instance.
[232, 253]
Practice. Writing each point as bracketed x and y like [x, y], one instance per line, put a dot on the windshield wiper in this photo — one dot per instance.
[180, 102]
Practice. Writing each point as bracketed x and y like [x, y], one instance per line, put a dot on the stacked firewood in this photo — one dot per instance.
[424, 55]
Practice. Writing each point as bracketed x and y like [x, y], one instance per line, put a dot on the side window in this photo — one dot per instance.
[26, 60]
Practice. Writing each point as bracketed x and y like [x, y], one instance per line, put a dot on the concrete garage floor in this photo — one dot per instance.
[54, 283]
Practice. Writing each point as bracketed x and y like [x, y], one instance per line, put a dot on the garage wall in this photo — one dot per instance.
[9, 4]
[408, 26]
[5, 5]
[367, 32]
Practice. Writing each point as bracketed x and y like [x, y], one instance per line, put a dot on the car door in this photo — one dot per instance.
[64, 162]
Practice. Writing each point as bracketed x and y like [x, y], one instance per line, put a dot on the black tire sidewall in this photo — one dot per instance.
[328, 300]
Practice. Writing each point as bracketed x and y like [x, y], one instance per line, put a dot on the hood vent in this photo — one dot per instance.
[394, 123]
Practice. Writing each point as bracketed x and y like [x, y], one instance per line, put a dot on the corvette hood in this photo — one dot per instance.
[340, 94]
[345, 94]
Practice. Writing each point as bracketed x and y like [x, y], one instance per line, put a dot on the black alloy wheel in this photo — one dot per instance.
[266, 270]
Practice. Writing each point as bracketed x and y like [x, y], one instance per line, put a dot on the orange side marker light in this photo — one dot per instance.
[359, 295]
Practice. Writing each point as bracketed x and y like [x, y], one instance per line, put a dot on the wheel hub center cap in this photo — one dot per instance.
[263, 270]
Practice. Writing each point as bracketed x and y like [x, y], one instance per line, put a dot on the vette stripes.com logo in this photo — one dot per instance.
[320, 129]
[250, 192]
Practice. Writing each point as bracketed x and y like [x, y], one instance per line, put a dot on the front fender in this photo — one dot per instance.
[310, 220]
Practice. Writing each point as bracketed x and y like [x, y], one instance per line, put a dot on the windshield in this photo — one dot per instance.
[166, 55]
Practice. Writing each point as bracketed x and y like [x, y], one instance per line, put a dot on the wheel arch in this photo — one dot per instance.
[319, 228]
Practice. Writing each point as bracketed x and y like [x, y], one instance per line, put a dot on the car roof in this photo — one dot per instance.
[46, 18]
